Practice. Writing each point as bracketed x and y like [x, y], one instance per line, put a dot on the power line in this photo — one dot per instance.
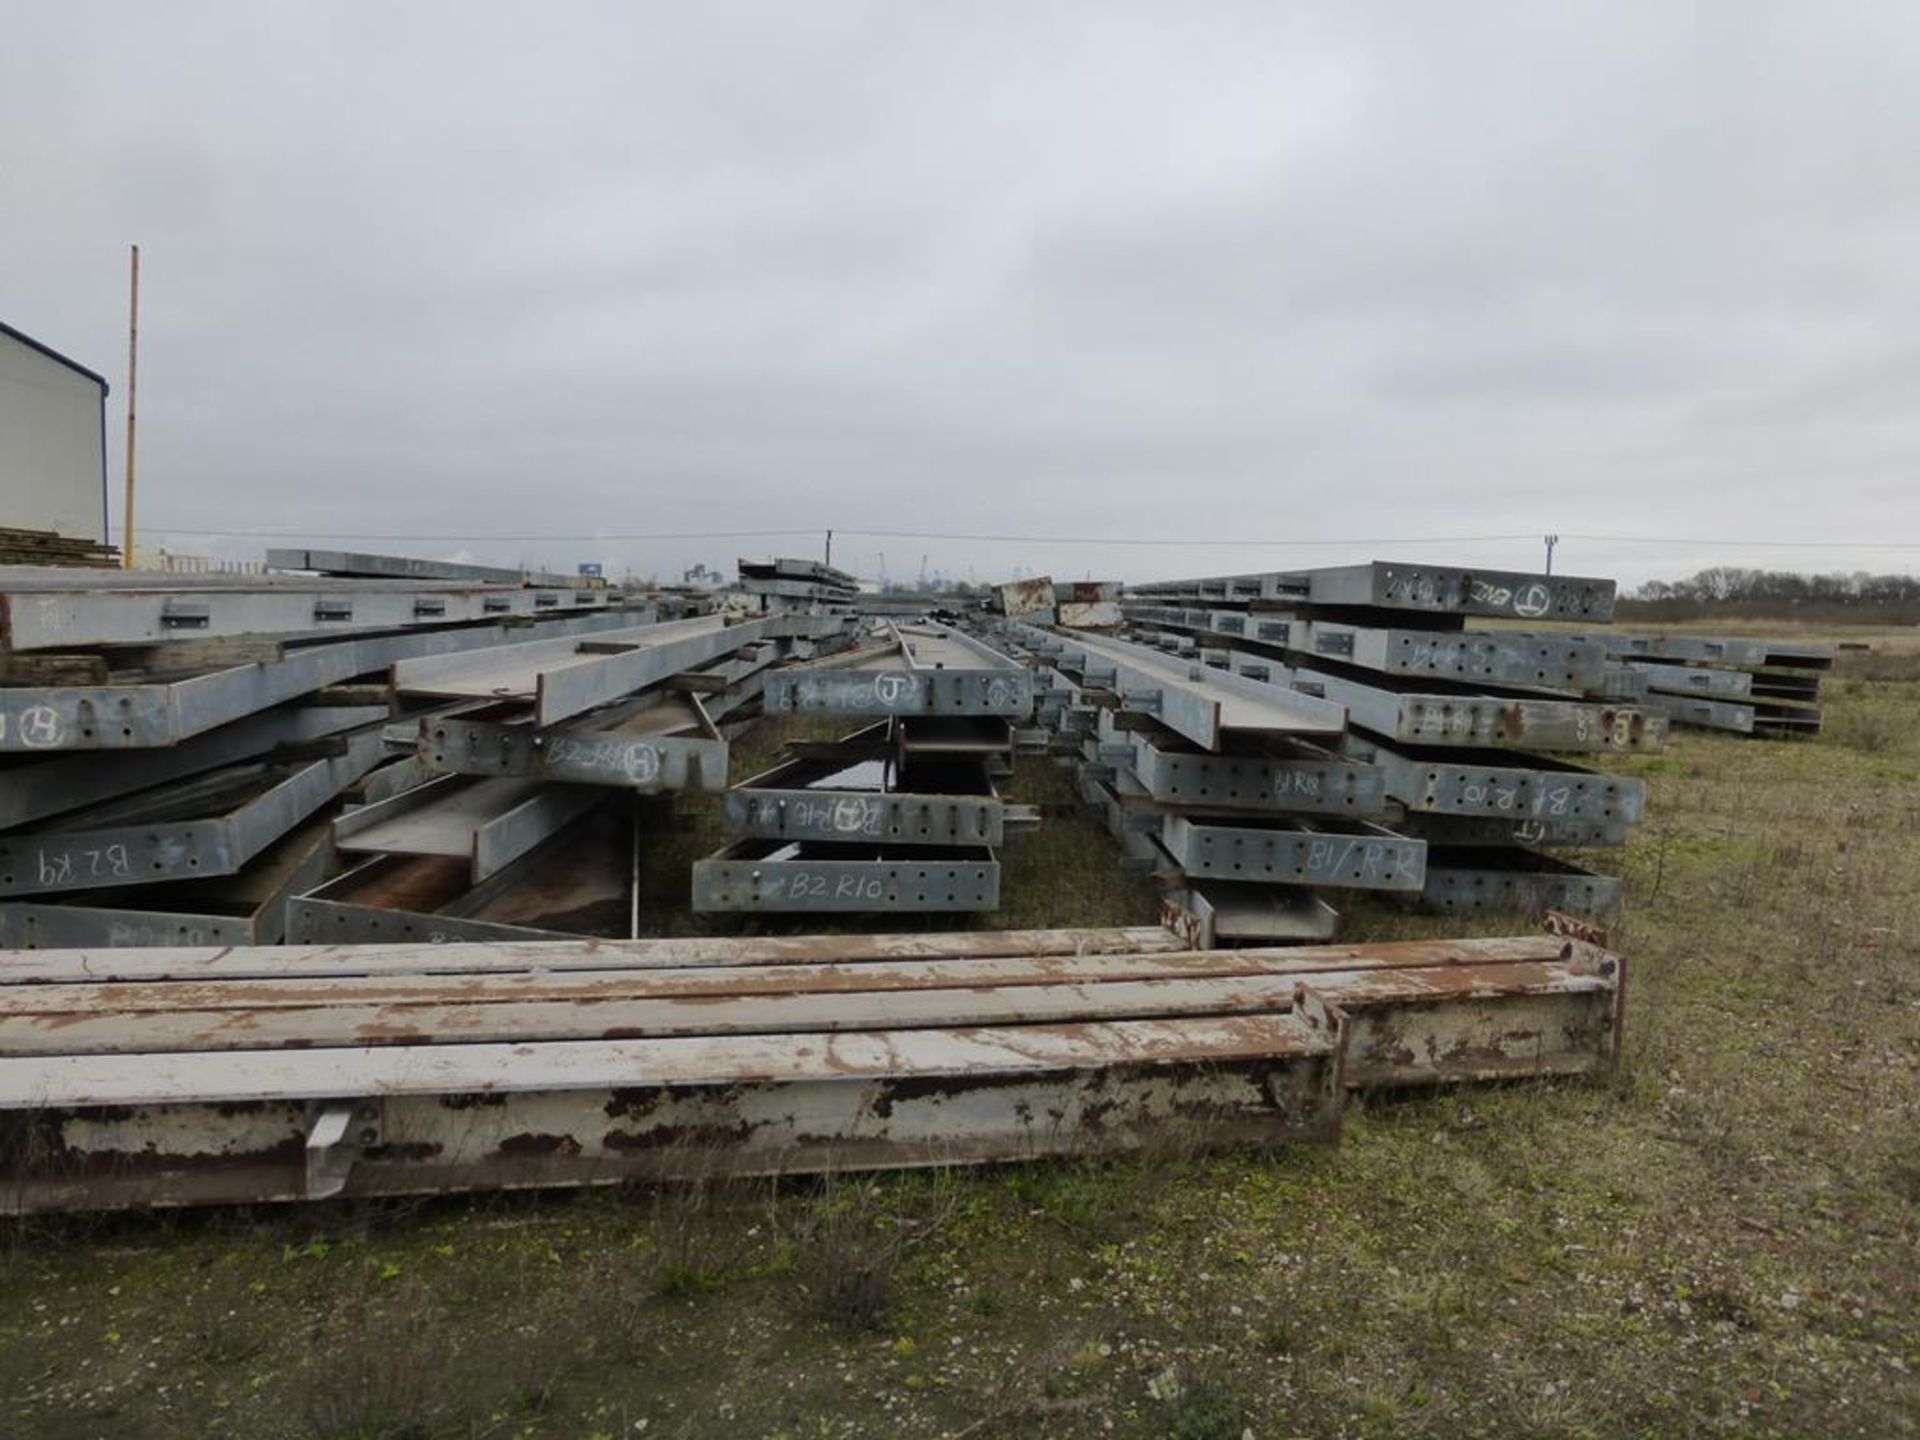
[490, 539]
[1161, 541]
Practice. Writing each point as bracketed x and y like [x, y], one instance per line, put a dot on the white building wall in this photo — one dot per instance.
[51, 438]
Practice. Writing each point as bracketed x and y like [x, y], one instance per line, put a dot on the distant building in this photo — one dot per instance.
[53, 440]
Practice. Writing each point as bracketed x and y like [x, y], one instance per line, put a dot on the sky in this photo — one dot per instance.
[1226, 287]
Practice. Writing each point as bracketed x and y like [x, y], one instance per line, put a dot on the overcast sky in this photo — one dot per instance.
[1173, 272]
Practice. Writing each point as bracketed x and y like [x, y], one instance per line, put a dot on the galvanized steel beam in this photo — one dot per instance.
[136, 715]
[62, 609]
[1174, 774]
[1191, 700]
[1679, 679]
[819, 799]
[1366, 858]
[1522, 881]
[249, 908]
[167, 846]
[34, 790]
[660, 743]
[1390, 585]
[775, 876]
[489, 823]
[1465, 718]
[1539, 660]
[1451, 781]
[931, 671]
[412, 567]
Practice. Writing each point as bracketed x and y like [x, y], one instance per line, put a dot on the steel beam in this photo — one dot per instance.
[659, 743]
[249, 908]
[1523, 881]
[1450, 830]
[34, 790]
[1680, 679]
[1741, 652]
[771, 875]
[151, 843]
[1365, 857]
[1227, 912]
[59, 609]
[411, 567]
[1536, 661]
[489, 823]
[1191, 700]
[931, 670]
[868, 801]
[847, 955]
[1175, 774]
[602, 1112]
[397, 899]
[1454, 781]
[580, 685]
[402, 1079]
[136, 715]
[1466, 718]
[1387, 585]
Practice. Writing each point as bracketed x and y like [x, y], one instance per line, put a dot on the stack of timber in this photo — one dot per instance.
[50, 547]
[903, 814]
[1467, 727]
[1740, 684]
[471, 719]
[1232, 790]
[139, 1077]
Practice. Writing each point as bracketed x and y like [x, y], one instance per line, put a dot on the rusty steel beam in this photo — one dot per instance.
[399, 1078]
[206, 1129]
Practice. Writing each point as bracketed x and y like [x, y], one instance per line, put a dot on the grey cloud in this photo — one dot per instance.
[1229, 270]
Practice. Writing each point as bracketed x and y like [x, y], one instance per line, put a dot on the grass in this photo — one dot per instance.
[1722, 1242]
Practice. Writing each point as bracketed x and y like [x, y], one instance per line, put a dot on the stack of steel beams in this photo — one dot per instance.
[901, 815]
[1464, 726]
[141, 1077]
[1742, 684]
[234, 721]
[777, 586]
[1231, 789]
[527, 827]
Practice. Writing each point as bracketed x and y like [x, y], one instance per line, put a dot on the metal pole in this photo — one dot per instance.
[133, 364]
[829, 547]
[1552, 540]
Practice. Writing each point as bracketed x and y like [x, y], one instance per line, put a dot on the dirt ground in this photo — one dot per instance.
[1722, 1242]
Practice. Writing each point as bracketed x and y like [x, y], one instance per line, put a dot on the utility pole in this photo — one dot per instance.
[133, 367]
[1552, 540]
[829, 547]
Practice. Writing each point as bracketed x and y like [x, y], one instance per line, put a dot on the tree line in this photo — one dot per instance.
[1732, 590]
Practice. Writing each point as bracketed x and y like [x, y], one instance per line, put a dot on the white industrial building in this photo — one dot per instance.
[53, 440]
